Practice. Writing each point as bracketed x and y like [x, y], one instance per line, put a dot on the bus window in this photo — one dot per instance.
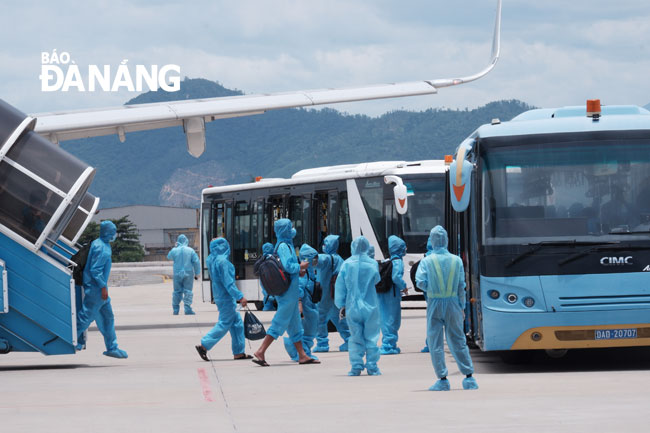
[322, 223]
[277, 208]
[426, 209]
[306, 220]
[295, 215]
[242, 225]
[372, 195]
[345, 239]
[392, 220]
[254, 241]
[260, 229]
[227, 225]
[206, 237]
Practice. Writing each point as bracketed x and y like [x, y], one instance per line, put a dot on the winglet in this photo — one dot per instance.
[496, 49]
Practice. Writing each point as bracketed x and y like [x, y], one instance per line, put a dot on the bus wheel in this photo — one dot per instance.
[516, 356]
[259, 305]
[556, 353]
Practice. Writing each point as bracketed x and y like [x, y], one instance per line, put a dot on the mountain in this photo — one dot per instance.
[647, 106]
[153, 167]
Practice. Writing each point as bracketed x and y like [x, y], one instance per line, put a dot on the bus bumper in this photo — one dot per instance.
[570, 330]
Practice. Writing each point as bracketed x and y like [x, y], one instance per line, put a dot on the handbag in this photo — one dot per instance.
[253, 328]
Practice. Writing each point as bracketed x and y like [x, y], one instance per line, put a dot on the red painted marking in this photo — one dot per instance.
[205, 384]
[458, 191]
[402, 201]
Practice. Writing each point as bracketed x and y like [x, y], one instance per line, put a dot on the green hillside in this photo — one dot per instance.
[153, 167]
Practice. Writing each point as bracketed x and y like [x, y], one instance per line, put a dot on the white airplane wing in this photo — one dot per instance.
[192, 114]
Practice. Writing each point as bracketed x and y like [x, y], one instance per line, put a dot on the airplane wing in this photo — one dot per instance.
[192, 114]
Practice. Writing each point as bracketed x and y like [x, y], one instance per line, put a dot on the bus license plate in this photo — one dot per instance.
[615, 334]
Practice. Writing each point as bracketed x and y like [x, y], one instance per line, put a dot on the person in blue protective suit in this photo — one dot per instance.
[442, 277]
[328, 265]
[287, 317]
[225, 294]
[308, 309]
[96, 303]
[186, 267]
[355, 291]
[425, 349]
[269, 301]
[390, 302]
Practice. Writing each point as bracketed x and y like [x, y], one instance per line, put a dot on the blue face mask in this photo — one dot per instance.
[112, 239]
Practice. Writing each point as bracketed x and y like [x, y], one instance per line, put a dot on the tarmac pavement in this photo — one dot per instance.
[165, 387]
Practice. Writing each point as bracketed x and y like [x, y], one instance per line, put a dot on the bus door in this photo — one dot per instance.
[216, 222]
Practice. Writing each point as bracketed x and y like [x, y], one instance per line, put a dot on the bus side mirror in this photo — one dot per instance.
[399, 192]
[460, 172]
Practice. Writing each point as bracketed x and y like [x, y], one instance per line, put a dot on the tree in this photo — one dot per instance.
[126, 247]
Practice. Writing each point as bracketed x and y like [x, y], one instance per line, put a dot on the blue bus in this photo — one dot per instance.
[551, 215]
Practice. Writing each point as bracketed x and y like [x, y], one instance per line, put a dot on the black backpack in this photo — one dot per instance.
[386, 275]
[414, 269]
[333, 279]
[80, 259]
[317, 293]
[272, 275]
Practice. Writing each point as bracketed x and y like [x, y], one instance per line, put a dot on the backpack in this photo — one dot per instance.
[317, 294]
[80, 259]
[333, 279]
[272, 275]
[414, 270]
[386, 275]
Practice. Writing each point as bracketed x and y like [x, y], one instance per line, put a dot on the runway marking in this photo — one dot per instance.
[205, 384]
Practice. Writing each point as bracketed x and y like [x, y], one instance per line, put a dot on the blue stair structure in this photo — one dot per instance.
[44, 208]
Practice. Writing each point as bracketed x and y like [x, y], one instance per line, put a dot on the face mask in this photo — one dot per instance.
[293, 233]
[112, 239]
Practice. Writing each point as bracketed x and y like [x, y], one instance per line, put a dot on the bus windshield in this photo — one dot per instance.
[542, 189]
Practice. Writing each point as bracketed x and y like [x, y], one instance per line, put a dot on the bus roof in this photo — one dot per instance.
[569, 119]
[340, 172]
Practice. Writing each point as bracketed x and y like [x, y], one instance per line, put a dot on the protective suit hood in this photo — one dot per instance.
[267, 248]
[283, 230]
[107, 231]
[360, 246]
[331, 244]
[371, 252]
[438, 239]
[182, 241]
[396, 246]
[307, 253]
[220, 247]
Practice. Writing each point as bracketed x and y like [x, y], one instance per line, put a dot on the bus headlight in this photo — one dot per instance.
[511, 298]
[529, 302]
[494, 294]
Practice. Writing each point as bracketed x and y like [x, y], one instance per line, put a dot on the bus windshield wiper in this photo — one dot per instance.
[536, 246]
[606, 246]
[638, 232]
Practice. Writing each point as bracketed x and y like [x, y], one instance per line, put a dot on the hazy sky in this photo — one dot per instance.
[554, 52]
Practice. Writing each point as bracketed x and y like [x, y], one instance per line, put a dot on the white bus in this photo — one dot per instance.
[347, 200]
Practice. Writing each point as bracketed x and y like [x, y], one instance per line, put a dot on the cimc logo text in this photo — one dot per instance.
[616, 261]
[60, 73]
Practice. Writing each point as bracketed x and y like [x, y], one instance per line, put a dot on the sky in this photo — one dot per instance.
[553, 52]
